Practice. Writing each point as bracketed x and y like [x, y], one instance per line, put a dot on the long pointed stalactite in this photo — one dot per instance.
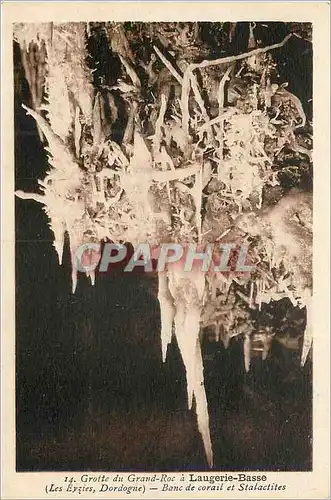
[188, 290]
[193, 166]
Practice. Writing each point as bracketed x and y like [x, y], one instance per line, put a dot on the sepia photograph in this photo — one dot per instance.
[163, 245]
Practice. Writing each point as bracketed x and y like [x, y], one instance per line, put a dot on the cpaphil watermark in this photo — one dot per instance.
[189, 257]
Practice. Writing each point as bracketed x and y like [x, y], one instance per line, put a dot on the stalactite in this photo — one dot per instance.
[201, 406]
[308, 334]
[187, 290]
[247, 351]
[92, 277]
[187, 325]
[167, 310]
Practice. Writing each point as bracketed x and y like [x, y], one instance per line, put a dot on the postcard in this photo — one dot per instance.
[165, 250]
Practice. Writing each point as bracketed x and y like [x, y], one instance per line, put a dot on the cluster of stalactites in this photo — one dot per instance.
[69, 194]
